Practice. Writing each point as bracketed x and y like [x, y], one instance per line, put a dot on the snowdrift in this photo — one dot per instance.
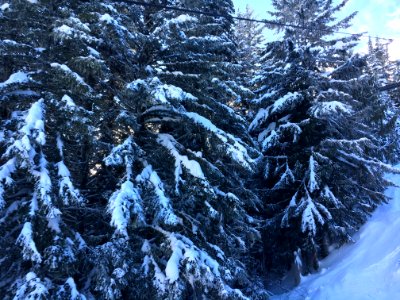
[367, 269]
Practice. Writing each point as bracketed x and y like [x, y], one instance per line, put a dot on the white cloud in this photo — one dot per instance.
[394, 49]
[393, 24]
[396, 13]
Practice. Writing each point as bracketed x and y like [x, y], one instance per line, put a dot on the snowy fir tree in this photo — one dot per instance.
[383, 111]
[119, 177]
[201, 158]
[249, 39]
[321, 164]
[128, 168]
[378, 60]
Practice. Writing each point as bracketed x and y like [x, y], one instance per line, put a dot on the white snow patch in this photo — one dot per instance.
[161, 93]
[122, 203]
[192, 166]
[18, 77]
[6, 171]
[271, 140]
[67, 191]
[310, 215]
[184, 249]
[93, 52]
[108, 19]
[65, 29]
[5, 6]
[286, 179]
[313, 179]
[68, 101]
[31, 288]
[25, 239]
[234, 147]
[367, 269]
[287, 100]
[184, 19]
[146, 248]
[121, 154]
[67, 70]
[166, 91]
[34, 122]
[74, 291]
[110, 7]
[165, 211]
[326, 108]
[262, 115]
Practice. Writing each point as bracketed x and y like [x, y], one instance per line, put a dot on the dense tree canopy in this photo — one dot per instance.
[317, 127]
[131, 165]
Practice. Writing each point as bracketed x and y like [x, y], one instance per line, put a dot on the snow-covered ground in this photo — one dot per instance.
[367, 269]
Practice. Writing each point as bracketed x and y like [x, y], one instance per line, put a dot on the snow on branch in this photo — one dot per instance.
[260, 118]
[287, 102]
[159, 279]
[348, 143]
[369, 162]
[286, 179]
[196, 264]
[6, 171]
[271, 140]
[27, 154]
[74, 29]
[312, 175]
[160, 93]
[270, 137]
[192, 166]
[25, 239]
[187, 262]
[289, 210]
[116, 24]
[34, 124]
[234, 146]
[293, 128]
[165, 211]
[124, 205]
[73, 76]
[66, 191]
[183, 19]
[31, 287]
[323, 109]
[311, 214]
[70, 291]
[43, 189]
[18, 77]
[124, 155]
[327, 194]
[120, 154]
[183, 249]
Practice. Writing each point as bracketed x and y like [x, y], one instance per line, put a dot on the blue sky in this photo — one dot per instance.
[377, 17]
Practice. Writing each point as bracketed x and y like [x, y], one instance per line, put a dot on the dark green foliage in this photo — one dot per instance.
[129, 159]
[127, 170]
[317, 116]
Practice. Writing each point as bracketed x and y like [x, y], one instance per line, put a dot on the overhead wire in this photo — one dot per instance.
[264, 21]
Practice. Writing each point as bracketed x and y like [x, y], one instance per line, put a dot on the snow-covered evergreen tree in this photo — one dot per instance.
[195, 160]
[39, 248]
[118, 176]
[249, 38]
[126, 170]
[320, 149]
[382, 112]
[59, 77]
[378, 60]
